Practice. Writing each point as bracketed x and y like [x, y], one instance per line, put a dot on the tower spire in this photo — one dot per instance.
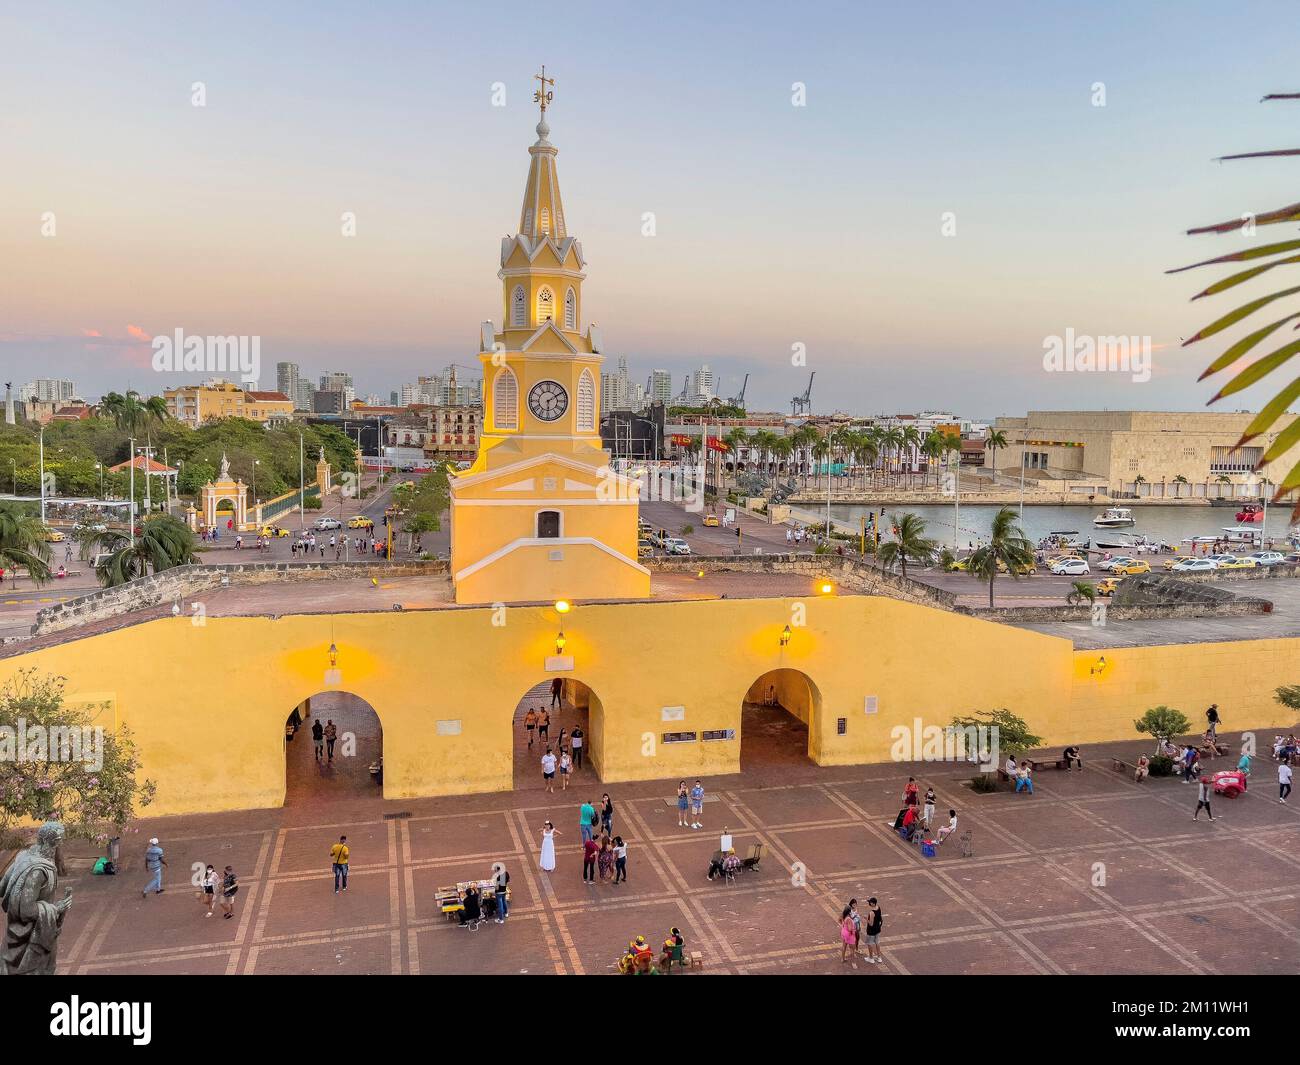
[542, 214]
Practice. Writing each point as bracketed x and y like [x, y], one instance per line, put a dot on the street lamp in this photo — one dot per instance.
[560, 642]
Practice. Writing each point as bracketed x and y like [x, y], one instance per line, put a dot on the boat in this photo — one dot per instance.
[1128, 542]
[1243, 534]
[1250, 512]
[1115, 518]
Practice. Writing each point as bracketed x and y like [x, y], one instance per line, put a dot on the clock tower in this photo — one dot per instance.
[539, 515]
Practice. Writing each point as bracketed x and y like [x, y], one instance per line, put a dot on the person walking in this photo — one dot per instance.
[543, 725]
[548, 771]
[620, 860]
[557, 691]
[683, 804]
[566, 768]
[875, 922]
[530, 725]
[1212, 717]
[1203, 791]
[576, 738]
[154, 862]
[331, 734]
[208, 886]
[1283, 781]
[697, 805]
[590, 848]
[318, 738]
[586, 812]
[548, 847]
[229, 889]
[607, 815]
[340, 854]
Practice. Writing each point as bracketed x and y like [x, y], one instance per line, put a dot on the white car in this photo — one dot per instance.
[1070, 567]
[1109, 564]
[1195, 565]
[1267, 558]
[321, 524]
[676, 546]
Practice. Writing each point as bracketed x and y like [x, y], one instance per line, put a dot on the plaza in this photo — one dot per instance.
[1178, 896]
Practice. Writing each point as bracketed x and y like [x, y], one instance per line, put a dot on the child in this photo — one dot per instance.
[929, 808]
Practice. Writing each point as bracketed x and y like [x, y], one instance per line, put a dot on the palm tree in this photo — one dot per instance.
[22, 543]
[1179, 481]
[1281, 253]
[782, 449]
[892, 439]
[1007, 545]
[993, 440]
[1081, 592]
[911, 543]
[932, 449]
[1138, 481]
[911, 440]
[164, 542]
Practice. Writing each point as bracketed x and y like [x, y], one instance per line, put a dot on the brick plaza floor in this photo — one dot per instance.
[1178, 896]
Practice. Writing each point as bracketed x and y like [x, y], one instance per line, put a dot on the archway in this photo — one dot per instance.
[355, 771]
[778, 720]
[569, 705]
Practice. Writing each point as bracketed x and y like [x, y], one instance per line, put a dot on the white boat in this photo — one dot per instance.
[1127, 542]
[1243, 534]
[1115, 518]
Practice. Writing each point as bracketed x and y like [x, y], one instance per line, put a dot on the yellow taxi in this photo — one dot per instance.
[361, 522]
[711, 521]
[1236, 563]
[1129, 569]
[53, 536]
[1107, 585]
[959, 565]
[644, 549]
[1023, 570]
[269, 531]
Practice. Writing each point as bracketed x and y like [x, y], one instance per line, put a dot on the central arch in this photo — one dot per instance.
[570, 704]
[356, 770]
[779, 718]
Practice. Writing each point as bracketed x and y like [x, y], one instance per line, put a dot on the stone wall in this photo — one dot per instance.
[185, 581]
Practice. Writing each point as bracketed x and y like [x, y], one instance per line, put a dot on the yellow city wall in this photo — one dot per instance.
[207, 703]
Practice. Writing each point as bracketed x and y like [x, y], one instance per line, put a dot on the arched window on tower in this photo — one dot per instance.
[546, 221]
[586, 403]
[545, 305]
[505, 399]
[570, 310]
[518, 307]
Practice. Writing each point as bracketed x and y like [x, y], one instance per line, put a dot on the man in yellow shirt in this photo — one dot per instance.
[339, 855]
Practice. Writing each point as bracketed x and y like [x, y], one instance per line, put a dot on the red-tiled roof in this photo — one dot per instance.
[142, 463]
[269, 396]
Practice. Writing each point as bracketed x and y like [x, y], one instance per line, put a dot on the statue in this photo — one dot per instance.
[26, 896]
[225, 467]
[322, 453]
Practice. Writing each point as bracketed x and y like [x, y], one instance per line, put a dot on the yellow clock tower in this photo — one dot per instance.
[540, 515]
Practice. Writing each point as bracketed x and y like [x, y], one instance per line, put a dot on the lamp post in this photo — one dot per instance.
[1022, 481]
[42, 447]
[14, 464]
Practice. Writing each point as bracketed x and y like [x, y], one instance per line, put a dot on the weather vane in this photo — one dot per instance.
[543, 95]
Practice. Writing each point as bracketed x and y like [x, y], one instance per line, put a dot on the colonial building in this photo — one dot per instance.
[216, 399]
[1157, 454]
[539, 515]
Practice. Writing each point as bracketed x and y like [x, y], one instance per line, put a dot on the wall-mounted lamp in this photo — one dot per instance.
[1100, 667]
[826, 587]
[334, 654]
[563, 606]
[785, 636]
[560, 641]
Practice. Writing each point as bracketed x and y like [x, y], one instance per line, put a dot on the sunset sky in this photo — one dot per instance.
[776, 224]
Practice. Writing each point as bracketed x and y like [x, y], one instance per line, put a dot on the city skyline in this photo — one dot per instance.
[779, 229]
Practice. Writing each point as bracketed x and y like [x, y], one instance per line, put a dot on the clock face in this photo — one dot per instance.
[548, 400]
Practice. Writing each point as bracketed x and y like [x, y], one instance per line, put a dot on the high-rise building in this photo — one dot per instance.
[615, 391]
[336, 381]
[303, 395]
[660, 387]
[286, 379]
[48, 390]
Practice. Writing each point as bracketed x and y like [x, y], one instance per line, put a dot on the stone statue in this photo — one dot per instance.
[322, 453]
[225, 467]
[26, 896]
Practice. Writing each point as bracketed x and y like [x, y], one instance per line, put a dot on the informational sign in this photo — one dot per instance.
[559, 663]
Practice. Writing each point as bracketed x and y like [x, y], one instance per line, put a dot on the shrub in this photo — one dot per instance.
[1161, 766]
[984, 782]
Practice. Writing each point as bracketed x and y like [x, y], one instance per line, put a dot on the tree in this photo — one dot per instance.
[1256, 367]
[22, 544]
[1009, 732]
[1289, 695]
[1162, 722]
[910, 543]
[73, 767]
[423, 504]
[1007, 545]
[1081, 592]
[164, 542]
[1179, 481]
[993, 440]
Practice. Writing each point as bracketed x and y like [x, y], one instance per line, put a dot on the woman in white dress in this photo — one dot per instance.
[548, 848]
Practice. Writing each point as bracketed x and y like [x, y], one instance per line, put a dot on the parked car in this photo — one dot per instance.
[1070, 567]
[644, 549]
[1267, 558]
[1196, 565]
[53, 536]
[1109, 564]
[1233, 562]
[269, 531]
[323, 524]
[1131, 567]
[1107, 585]
[676, 546]
[360, 521]
[1293, 559]
[1023, 570]
[711, 521]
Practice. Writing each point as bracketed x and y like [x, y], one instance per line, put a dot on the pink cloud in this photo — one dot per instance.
[139, 334]
[91, 333]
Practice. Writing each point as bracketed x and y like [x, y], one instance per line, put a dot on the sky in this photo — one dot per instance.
[127, 212]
